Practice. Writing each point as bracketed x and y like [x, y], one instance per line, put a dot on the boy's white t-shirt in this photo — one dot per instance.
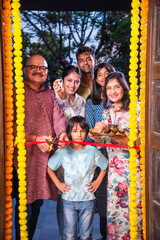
[79, 167]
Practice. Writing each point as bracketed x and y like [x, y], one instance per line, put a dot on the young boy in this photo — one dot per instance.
[79, 162]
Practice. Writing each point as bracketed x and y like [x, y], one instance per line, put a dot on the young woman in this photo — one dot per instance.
[93, 114]
[116, 90]
[94, 105]
[71, 103]
[79, 162]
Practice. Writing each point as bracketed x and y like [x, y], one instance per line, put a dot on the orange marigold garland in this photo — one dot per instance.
[143, 41]
[20, 139]
[8, 79]
[133, 117]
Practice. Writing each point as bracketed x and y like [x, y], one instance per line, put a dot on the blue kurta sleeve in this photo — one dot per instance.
[93, 114]
[90, 116]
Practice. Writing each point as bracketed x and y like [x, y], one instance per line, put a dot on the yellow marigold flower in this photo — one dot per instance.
[21, 172]
[22, 221]
[133, 177]
[23, 227]
[22, 183]
[23, 234]
[132, 196]
[22, 189]
[22, 208]
[133, 190]
[22, 196]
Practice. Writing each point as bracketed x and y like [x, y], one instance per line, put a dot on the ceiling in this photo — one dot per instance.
[76, 5]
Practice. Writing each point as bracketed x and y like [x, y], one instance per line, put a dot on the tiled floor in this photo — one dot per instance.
[47, 228]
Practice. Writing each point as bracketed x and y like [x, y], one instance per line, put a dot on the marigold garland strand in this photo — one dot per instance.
[20, 139]
[143, 41]
[133, 117]
[8, 74]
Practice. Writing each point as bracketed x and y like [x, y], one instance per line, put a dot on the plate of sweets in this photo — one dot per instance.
[110, 130]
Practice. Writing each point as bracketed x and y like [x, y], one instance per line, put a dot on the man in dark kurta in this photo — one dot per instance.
[43, 118]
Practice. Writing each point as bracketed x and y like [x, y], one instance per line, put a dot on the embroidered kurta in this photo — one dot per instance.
[70, 108]
[118, 184]
[43, 117]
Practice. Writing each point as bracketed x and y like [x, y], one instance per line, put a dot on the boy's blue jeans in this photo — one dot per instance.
[60, 217]
[82, 212]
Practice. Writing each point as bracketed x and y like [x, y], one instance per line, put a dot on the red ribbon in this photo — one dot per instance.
[85, 143]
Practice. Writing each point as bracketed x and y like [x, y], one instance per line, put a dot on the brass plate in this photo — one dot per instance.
[107, 134]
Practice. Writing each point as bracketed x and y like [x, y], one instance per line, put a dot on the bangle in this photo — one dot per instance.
[35, 138]
[61, 133]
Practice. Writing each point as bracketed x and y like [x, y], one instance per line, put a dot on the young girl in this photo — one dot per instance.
[93, 114]
[94, 105]
[116, 90]
[79, 162]
[71, 103]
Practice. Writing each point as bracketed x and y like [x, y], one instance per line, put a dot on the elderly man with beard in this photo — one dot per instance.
[43, 118]
[86, 62]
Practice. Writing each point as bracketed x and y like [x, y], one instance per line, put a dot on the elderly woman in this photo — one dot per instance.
[116, 90]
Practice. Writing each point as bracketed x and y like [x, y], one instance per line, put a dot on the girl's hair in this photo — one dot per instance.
[122, 81]
[96, 88]
[75, 120]
[69, 70]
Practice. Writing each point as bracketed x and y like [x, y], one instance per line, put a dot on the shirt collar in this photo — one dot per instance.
[42, 88]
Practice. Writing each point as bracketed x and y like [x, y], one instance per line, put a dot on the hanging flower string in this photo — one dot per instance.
[20, 119]
[143, 41]
[8, 78]
[133, 117]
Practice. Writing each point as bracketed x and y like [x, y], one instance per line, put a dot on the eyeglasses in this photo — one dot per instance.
[35, 67]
